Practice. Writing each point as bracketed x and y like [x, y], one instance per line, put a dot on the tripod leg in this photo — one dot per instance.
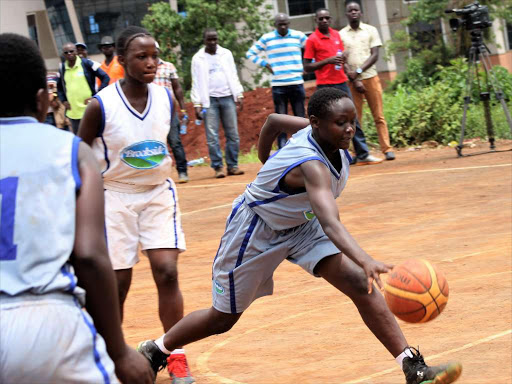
[467, 97]
[486, 61]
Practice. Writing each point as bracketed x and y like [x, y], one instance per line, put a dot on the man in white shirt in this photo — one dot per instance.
[362, 42]
[216, 90]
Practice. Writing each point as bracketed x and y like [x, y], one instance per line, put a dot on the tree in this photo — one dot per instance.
[238, 22]
[426, 58]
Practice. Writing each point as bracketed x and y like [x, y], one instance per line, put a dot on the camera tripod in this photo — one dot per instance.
[480, 52]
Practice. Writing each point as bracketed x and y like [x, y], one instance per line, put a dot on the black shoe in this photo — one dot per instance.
[390, 155]
[157, 359]
[417, 372]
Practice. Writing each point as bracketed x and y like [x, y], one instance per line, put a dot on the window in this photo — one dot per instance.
[94, 27]
[32, 28]
[60, 23]
[304, 7]
[108, 18]
[427, 35]
[509, 35]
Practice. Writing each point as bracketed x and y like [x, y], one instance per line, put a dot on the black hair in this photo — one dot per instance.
[321, 101]
[320, 10]
[207, 30]
[127, 36]
[22, 74]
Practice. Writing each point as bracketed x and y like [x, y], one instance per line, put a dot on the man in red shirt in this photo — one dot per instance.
[325, 47]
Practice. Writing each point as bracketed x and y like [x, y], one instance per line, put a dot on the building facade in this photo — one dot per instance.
[52, 23]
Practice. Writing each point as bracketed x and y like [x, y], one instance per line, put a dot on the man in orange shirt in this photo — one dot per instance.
[110, 65]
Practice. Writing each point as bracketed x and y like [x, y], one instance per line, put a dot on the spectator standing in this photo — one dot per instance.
[110, 65]
[167, 76]
[325, 47]
[362, 42]
[217, 89]
[81, 50]
[76, 83]
[284, 60]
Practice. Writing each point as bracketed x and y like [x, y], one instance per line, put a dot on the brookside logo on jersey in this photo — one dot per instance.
[309, 215]
[145, 154]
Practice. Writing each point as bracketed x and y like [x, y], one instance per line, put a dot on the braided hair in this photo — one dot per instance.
[127, 36]
[22, 73]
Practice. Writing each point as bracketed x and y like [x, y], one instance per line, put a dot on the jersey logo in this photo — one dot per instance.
[218, 288]
[145, 154]
[309, 215]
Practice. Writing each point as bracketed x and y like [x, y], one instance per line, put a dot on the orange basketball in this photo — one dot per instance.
[416, 291]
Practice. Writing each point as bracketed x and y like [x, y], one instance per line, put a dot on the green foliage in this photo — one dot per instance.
[433, 110]
[238, 22]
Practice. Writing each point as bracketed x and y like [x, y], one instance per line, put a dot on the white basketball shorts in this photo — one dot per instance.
[50, 339]
[151, 219]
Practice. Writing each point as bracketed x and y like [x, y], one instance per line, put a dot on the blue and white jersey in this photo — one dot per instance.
[278, 209]
[283, 54]
[39, 180]
[132, 146]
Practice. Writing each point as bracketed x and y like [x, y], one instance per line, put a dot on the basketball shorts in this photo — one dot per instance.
[151, 219]
[50, 339]
[250, 251]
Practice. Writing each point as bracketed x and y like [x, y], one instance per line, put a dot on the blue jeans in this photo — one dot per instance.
[296, 95]
[174, 140]
[359, 141]
[222, 109]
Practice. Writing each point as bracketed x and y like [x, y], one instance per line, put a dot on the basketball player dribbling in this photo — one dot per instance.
[289, 212]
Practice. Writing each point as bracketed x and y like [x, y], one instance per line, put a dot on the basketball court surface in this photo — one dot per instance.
[454, 212]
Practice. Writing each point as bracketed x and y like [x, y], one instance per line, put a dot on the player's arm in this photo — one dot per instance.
[317, 181]
[95, 274]
[91, 122]
[274, 125]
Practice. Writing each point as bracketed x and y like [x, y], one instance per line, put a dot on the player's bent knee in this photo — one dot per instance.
[222, 322]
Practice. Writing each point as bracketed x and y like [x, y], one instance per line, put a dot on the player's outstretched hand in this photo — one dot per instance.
[134, 368]
[373, 269]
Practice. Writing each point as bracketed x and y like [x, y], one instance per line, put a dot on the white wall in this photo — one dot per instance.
[13, 15]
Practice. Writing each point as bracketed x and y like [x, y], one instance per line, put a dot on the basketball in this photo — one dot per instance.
[416, 291]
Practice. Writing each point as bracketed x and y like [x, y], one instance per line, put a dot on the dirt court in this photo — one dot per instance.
[455, 212]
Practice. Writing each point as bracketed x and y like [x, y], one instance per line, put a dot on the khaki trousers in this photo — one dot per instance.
[373, 96]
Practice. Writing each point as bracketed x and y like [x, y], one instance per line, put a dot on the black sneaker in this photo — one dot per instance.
[417, 372]
[157, 359]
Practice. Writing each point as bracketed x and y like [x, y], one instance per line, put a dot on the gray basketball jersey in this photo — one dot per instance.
[279, 209]
[39, 180]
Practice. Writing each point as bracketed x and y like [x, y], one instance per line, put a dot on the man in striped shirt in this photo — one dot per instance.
[284, 60]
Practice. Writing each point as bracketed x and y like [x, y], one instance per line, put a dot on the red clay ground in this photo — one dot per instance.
[455, 212]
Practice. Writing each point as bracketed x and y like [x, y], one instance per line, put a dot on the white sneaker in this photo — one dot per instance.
[369, 160]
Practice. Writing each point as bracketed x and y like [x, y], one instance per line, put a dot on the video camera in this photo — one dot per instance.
[474, 16]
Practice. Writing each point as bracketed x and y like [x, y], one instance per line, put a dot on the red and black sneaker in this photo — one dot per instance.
[178, 369]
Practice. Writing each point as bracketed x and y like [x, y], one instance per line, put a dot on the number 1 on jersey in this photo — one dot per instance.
[8, 189]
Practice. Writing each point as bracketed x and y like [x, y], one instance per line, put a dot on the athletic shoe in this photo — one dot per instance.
[235, 171]
[369, 160]
[157, 359]
[219, 173]
[390, 155]
[178, 369]
[182, 178]
[417, 372]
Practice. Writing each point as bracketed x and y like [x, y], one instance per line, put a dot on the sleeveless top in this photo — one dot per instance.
[278, 209]
[131, 146]
[39, 180]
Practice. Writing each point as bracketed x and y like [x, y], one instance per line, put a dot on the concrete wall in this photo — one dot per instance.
[13, 15]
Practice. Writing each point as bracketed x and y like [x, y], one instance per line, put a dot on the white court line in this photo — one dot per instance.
[352, 179]
[202, 360]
